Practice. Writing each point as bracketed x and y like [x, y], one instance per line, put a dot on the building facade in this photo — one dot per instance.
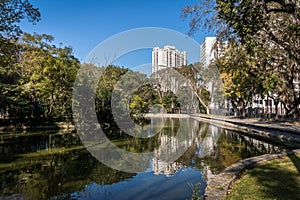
[207, 51]
[168, 56]
[211, 49]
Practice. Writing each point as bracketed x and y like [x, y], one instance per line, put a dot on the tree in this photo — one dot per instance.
[138, 105]
[13, 101]
[106, 84]
[11, 13]
[269, 31]
[241, 75]
[206, 84]
[191, 73]
[48, 73]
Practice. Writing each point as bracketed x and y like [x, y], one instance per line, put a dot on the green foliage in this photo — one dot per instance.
[143, 99]
[138, 105]
[38, 85]
[170, 102]
[48, 75]
[114, 87]
[11, 13]
[241, 76]
[106, 84]
[14, 101]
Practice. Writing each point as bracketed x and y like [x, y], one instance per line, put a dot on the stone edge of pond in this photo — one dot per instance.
[219, 186]
[252, 123]
[270, 132]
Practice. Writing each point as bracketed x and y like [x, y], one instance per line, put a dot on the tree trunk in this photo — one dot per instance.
[203, 104]
[276, 108]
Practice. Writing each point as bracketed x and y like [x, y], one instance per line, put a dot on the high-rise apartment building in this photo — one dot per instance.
[210, 50]
[166, 57]
[207, 51]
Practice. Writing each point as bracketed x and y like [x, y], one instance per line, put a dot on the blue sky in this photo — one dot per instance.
[84, 24]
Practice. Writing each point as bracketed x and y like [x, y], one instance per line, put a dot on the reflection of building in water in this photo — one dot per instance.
[160, 166]
[163, 167]
[173, 143]
[207, 147]
[254, 145]
[209, 143]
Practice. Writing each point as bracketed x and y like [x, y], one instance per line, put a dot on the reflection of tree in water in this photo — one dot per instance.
[41, 175]
[13, 144]
[185, 141]
[159, 128]
[232, 147]
[69, 174]
[59, 165]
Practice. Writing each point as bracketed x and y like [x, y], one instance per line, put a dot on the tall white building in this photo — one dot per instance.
[207, 51]
[211, 49]
[166, 57]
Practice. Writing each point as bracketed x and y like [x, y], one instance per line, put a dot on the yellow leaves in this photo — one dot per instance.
[223, 75]
[227, 79]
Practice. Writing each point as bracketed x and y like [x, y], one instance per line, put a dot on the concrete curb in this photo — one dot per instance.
[267, 132]
[220, 184]
[275, 126]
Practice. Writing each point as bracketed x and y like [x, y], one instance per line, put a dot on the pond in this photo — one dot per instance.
[56, 165]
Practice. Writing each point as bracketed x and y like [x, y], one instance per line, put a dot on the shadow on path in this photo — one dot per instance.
[279, 180]
[296, 160]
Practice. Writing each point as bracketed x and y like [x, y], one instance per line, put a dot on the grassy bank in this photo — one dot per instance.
[276, 179]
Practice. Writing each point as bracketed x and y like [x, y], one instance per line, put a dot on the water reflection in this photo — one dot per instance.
[51, 165]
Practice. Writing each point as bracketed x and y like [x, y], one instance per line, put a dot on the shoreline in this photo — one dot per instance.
[286, 134]
[218, 187]
[53, 126]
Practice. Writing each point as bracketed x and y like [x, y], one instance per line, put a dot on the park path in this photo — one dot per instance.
[285, 126]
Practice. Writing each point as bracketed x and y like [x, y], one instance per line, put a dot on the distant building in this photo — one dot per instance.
[206, 51]
[166, 57]
[210, 50]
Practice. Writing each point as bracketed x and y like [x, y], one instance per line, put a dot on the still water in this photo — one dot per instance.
[56, 165]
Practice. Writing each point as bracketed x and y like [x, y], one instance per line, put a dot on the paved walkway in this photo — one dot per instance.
[287, 134]
[289, 127]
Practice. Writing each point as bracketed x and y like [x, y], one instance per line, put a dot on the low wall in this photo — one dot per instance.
[218, 187]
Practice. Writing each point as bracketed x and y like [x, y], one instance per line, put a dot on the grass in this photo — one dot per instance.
[276, 179]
